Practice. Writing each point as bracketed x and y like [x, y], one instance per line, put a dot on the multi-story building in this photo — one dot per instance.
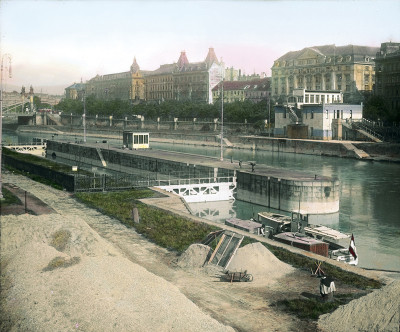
[255, 90]
[387, 82]
[346, 68]
[178, 81]
[184, 80]
[75, 91]
[125, 86]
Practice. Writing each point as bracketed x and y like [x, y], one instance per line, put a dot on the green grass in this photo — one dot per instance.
[9, 198]
[312, 308]
[337, 273]
[177, 233]
[165, 229]
[35, 160]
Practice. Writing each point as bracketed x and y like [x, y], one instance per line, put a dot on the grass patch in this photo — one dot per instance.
[337, 273]
[61, 262]
[37, 161]
[60, 239]
[177, 233]
[314, 307]
[165, 229]
[9, 198]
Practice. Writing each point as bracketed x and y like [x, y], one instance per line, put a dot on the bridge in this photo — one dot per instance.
[35, 149]
[204, 189]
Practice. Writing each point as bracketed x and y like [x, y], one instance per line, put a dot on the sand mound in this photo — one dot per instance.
[377, 311]
[194, 256]
[258, 261]
[92, 287]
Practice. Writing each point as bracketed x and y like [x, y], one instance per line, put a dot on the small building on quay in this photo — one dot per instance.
[315, 114]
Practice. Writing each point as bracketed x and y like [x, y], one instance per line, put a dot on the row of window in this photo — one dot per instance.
[316, 70]
[337, 114]
[316, 60]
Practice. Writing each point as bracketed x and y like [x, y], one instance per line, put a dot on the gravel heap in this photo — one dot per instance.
[194, 256]
[101, 291]
[377, 311]
[258, 261]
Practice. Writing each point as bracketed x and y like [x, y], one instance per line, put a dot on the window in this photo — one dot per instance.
[322, 98]
[317, 99]
[307, 99]
[312, 114]
[326, 114]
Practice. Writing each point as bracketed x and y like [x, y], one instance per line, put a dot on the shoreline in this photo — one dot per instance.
[256, 143]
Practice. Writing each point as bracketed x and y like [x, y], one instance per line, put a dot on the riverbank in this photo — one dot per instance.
[368, 151]
[110, 272]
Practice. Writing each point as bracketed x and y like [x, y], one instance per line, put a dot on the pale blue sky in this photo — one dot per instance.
[60, 42]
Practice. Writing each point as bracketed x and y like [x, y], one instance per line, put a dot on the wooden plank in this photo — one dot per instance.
[216, 249]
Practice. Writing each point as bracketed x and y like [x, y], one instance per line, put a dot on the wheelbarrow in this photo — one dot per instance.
[237, 276]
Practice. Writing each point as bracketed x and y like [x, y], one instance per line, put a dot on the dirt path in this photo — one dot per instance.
[243, 306]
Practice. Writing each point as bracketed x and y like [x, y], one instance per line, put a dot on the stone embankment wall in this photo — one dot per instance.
[324, 148]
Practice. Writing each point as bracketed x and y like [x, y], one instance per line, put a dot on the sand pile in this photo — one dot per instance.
[258, 261]
[377, 311]
[90, 286]
[194, 256]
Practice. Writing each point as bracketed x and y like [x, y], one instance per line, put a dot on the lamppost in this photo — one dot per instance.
[222, 120]
[84, 117]
[7, 56]
[269, 117]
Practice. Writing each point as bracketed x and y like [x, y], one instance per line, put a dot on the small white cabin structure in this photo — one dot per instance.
[135, 140]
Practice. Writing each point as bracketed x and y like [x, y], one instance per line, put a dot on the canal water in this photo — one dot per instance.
[369, 200]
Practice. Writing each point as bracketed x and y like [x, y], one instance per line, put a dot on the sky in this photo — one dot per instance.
[54, 44]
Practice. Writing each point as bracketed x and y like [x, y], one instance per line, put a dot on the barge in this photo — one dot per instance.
[304, 242]
[245, 225]
[296, 230]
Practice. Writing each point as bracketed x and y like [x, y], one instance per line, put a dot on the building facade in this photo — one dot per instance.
[177, 81]
[323, 122]
[387, 82]
[346, 68]
[185, 81]
[75, 91]
[125, 86]
[255, 90]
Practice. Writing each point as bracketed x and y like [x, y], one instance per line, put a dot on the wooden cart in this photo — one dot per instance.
[237, 276]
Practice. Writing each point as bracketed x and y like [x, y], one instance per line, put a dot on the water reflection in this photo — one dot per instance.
[369, 202]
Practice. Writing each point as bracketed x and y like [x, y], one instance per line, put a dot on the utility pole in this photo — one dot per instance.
[222, 120]
[84, 117]
[269, 117]
[8, 56]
